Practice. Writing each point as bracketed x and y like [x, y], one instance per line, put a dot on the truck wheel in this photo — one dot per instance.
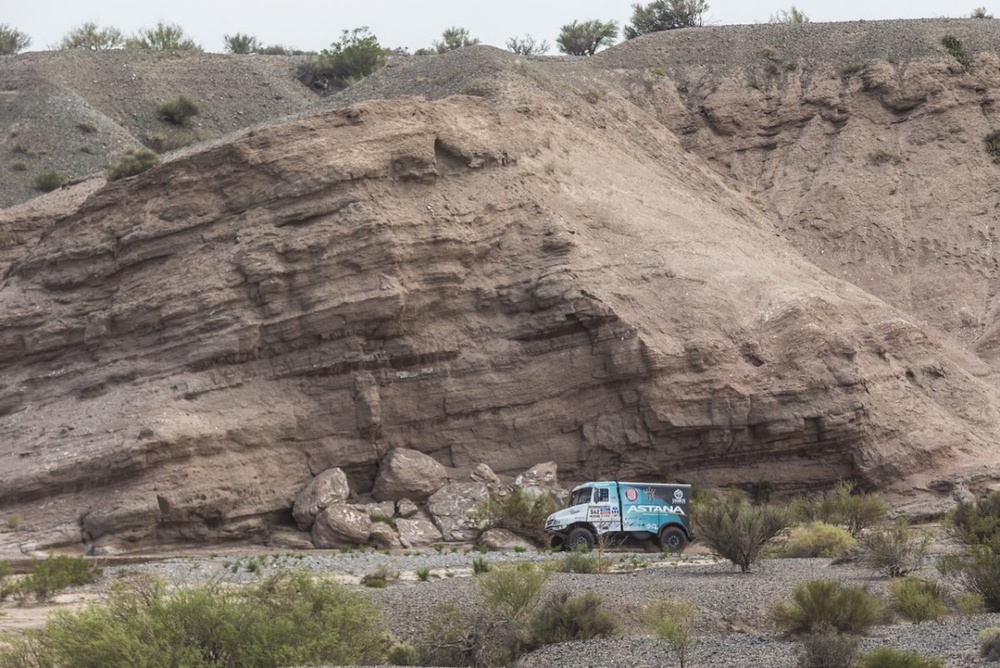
[579, 539]
[673, 539]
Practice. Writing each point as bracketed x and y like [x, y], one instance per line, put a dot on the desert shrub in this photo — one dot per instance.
[820, 603]
[969, 603]
[890, 657]
[179, 110]
[896, 549]
[977, 570]
[562, 618]
[19, 167]
[790, 17]
[977, 523]
[7, 587]
[12, 40]
[583, 562]
[883, 157]
[57, 572]
[993, 145]
[737, 531]
[954, 46]
[480, 566]
[402, 654]
[587, 38]
[241, 44]
[826, 648]
[163, 37]
[673, 623]
[844, 505]
[515, 589]
[665, 15]
[519, 512]
[454, 38]
[989, 643]
[285, 620]
[91, 37]
[354, 56]
[980, 13]
[14, 521]
[918, 600]
[527, 46]
[132, 163]
[423, 574]
[819, 539]
[49, 181]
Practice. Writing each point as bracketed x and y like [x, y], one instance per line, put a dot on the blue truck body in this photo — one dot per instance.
[614, 509]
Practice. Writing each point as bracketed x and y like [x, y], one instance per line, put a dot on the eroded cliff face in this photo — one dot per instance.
[484, 283]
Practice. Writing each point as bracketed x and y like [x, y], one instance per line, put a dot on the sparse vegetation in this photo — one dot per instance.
[12, 40]
[53, 574]
[480, 566]
[993, 145]
[14, 521]
[977, 523]
[977, 570]
[918, 600]
[826, 648]
[241, 44]
[178, 111]
[989, 643]
[19, 166]
[896, 549]
[132, 163]
[980, 13]
[519, 512]
[673, 623]
[665, 15]
[844, 506]
[821, 604]
[354, 56]
[792, 16]
[527, 46]
[890, 657]
[49, 180]
[162, 37]
[883, 157]
[736, 530]
[969, 603]
[587, 38]
[423, 574]
[562, 618]
[6, 586]
[92, 37]
[957, 50]
[818, 539]
[454, 38]
[284, 620]
[583, 562]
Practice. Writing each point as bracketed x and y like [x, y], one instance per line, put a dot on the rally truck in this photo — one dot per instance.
[623, 510]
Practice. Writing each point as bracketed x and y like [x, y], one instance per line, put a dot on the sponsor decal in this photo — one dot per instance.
[676, 510]
[631, 494]
[678, 496]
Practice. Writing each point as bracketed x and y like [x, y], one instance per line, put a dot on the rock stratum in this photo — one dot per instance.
[658, 264]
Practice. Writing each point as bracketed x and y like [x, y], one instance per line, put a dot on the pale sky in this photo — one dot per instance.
[312, 24]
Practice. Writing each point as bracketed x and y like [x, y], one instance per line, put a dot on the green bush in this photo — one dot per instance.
[587, 38]
[583, 562]
[844, 506]
[50, 576]
[737, 531]
[91, 37]
[179, 111]
[673, 623]
[976, 571]
[897, 549]
[423, 574]
[515, 589]
[241, 44]
[562, 618]
[918, 600]
[519, 512]
[978, 523]
[527, 46]
[955, 48]
[480, 566]
[819, 604]
[6, 586]
[825, 648]
[49, 181]
[12, 40]
[454, 38]
[819, 539]
[993, 145]
[889, 657]
[354, 56]
[132, 163]
[285, 620]
[163, 37]
[662, 15]
[969, 603]
[989, 643]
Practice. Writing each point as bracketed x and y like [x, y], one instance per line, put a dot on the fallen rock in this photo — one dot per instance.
[406, 508]
[384, 510]
[450, 506]
[404, 473]
[417, 531]
[328, 488]
[502, 540]
[341, 525]
[384, 536]
[288, 539]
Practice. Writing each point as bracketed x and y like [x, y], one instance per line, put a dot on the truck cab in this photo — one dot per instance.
[621, 510]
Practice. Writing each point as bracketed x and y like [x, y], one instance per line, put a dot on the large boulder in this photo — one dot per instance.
[409, 474]
[406, 508]
[502, 540]
[384, 536]
[328, 488]
[450, 506]
[341, 525]
[417, 531]
[541, 479]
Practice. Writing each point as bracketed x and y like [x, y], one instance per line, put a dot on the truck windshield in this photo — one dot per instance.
[580, 496]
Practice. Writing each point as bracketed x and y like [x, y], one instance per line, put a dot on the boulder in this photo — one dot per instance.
[410, 474]
[384, 536]
[484, 474]
[541, 479]
[501, 540]
[384, 510]
[450, 506]
[328, 488]
[289, 539]
[341, 525]
[417, 531]
[406, 508]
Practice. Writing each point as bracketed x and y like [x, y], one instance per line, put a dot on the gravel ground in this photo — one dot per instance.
[733, 625]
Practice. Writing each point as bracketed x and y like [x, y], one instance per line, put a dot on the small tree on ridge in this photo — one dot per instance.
[587, 38]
